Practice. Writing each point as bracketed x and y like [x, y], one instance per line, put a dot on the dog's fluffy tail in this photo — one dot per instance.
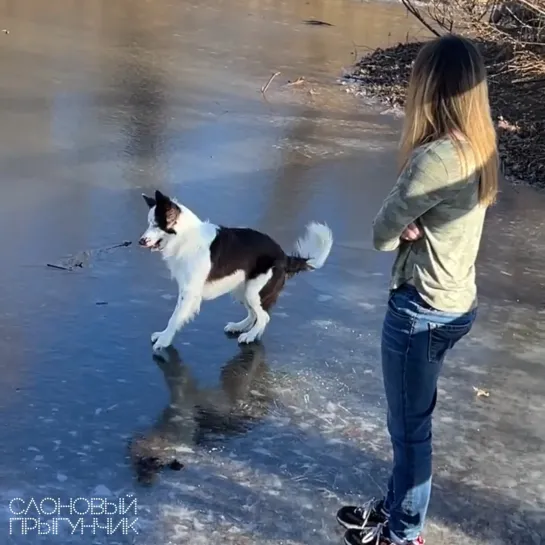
[311, 250]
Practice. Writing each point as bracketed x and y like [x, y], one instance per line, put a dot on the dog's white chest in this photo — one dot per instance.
[224, 285]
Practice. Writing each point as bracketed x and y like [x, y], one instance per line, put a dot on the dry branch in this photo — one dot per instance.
[266, 86]
[415, 12]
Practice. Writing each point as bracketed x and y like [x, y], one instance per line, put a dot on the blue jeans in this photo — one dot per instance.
[415, 340]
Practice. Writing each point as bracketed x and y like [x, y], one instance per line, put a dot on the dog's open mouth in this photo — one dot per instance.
[157, 246]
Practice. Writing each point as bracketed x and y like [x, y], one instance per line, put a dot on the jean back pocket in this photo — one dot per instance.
[443, 337]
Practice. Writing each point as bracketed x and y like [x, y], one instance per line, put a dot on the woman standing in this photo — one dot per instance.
[434, 218]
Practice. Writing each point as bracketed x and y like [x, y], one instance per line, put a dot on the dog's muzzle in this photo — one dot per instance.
[145, 243]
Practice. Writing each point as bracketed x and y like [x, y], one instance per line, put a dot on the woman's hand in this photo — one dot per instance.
[411, 233]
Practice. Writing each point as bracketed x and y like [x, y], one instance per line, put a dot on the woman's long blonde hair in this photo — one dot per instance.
[448, 96]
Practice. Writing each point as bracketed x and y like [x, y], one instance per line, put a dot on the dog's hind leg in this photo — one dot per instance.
[248, 322]
[269, 294]
[253, 298]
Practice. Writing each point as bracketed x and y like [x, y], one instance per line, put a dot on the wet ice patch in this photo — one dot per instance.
[102, 491]
[533, 354]
[307, 150]
[322, 324]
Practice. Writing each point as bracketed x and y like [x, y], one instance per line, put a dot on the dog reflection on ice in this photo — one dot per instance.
[195, 415]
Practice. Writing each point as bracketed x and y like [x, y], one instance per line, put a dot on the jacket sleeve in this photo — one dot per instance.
[421, 186]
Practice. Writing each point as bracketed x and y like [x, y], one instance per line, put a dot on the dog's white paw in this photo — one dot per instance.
[161, 340]
[235, 327]
[231, 327]
[247, 338]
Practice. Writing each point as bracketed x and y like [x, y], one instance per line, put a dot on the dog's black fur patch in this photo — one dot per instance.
[255, 253]
[167, 213]
[243, 249]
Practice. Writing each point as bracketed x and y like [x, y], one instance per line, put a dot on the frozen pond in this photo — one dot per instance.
[101, 100]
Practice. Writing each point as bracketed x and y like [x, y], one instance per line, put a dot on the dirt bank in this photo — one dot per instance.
[517, 95]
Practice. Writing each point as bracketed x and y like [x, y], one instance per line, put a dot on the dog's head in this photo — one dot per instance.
[163, 218]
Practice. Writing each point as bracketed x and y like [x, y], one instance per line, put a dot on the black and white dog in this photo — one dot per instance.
[208, 261]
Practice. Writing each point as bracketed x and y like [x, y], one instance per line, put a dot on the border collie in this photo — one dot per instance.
[208, 261]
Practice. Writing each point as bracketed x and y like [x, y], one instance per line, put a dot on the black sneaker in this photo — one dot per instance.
[368, 515]
[379, 535]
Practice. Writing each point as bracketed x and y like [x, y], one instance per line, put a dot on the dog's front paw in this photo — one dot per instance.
[231, 327]
[234, 327]
[161, 340]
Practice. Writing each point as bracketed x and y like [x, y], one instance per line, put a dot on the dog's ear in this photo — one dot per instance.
[161, 197]
[149, 200]
[167, 212]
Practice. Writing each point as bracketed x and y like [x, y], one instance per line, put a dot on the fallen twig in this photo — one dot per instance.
[79, 259]
[528, 80]
[298, 81]
[266, 86]
[123, 244]
[60, 267]
[316, 22]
